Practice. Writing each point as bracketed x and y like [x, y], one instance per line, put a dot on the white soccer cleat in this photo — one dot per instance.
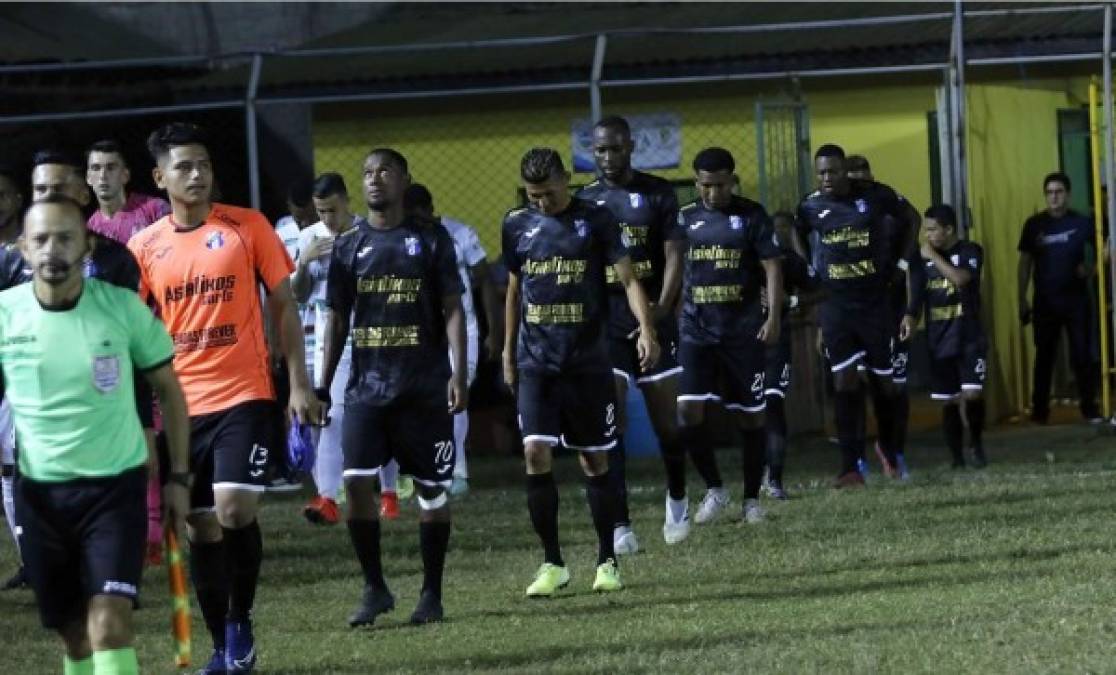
[716, 500]
[753, 512]
[676, 531]
[624, 541]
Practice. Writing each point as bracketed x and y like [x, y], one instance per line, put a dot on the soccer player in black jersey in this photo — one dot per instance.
[945, 282]
[732, 252]
[555, 356]
[858, 168]
[647, 210]
[798, 278]
[397, 278]
[863, 229]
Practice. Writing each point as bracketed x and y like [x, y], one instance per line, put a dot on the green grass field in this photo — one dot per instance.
[1009, 570]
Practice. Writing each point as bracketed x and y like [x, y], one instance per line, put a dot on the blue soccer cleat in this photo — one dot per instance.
[240, 647]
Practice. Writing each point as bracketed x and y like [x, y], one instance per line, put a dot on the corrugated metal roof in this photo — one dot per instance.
[644, 41]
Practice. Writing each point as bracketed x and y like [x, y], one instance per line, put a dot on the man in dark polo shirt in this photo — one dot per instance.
[1057, 246]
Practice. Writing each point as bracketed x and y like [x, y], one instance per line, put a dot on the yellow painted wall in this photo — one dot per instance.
[467, 151]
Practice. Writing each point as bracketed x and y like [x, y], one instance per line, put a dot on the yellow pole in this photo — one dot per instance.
[1098, 214]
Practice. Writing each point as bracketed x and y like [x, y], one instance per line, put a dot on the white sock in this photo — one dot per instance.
[677, 508]
[460, 433]
[389, 476]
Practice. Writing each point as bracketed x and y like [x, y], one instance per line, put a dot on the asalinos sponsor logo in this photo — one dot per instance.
[212, 289]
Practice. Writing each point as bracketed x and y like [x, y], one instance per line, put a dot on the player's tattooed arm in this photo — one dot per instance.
[673, 253]
[457, 391]
[773, 269]
[647, 345]
[336, 332]
[511, 329]
[481, 276]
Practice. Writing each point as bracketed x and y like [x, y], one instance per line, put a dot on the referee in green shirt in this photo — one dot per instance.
[68, 347]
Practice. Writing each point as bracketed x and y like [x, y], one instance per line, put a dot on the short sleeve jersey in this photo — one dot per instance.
[647, 212]
[856, 238]
[69, 379]
[204, 285]
[560, 261]
[288, 232]
[952, 314]
[139, 211]
[722, 275]
[467, 247]
[392, 283]
[1058, 246]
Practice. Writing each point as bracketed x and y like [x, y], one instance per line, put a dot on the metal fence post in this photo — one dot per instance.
[250, 125]
[595, 78]
[1110, 182]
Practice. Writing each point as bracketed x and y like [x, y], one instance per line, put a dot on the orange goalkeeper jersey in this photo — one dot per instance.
[204, 284]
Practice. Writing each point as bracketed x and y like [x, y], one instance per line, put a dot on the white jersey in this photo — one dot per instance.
[467, 246]
[313, 314]
[288, 231]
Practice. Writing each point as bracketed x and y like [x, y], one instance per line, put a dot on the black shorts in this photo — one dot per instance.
[964, 372]
[733, 375]
[577, 410]
[418, 434]
[82, 538]
[856, 335]
[625, 356]
[232, 448]
[777, 374]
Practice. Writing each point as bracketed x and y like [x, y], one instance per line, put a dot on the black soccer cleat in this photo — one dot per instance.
[978, 458]
[374, 603]
[429, 609]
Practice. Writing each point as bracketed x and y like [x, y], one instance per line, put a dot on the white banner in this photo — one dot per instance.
[658, 142]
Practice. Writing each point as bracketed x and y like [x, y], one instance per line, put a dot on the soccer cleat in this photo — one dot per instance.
[753, 513]
[322, 511]
[715, 501]
[389, 506]
[608, 577]
[774, 489]
[624, 541]
[459, 487]
[885, 463]
[548, 580]
[901, 467]
[849, 479]
[240, 647]
[16, 581]
[978, 458]
[429, 609]
[154, 554]
[405, 487]
[373, 603]
[216, 665]
[676, 531]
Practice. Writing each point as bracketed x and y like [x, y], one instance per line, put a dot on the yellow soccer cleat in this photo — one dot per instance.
[608, 577]
[548, 580]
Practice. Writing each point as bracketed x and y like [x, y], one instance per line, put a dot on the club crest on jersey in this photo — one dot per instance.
[862, 206]
[636, 200]
[413, 245]
[736, 222]
[955, 259]
[88, 268]
[582, 228]
[215, 241]
[106, 373]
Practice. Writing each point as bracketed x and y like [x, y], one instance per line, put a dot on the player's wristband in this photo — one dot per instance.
[180, 477]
